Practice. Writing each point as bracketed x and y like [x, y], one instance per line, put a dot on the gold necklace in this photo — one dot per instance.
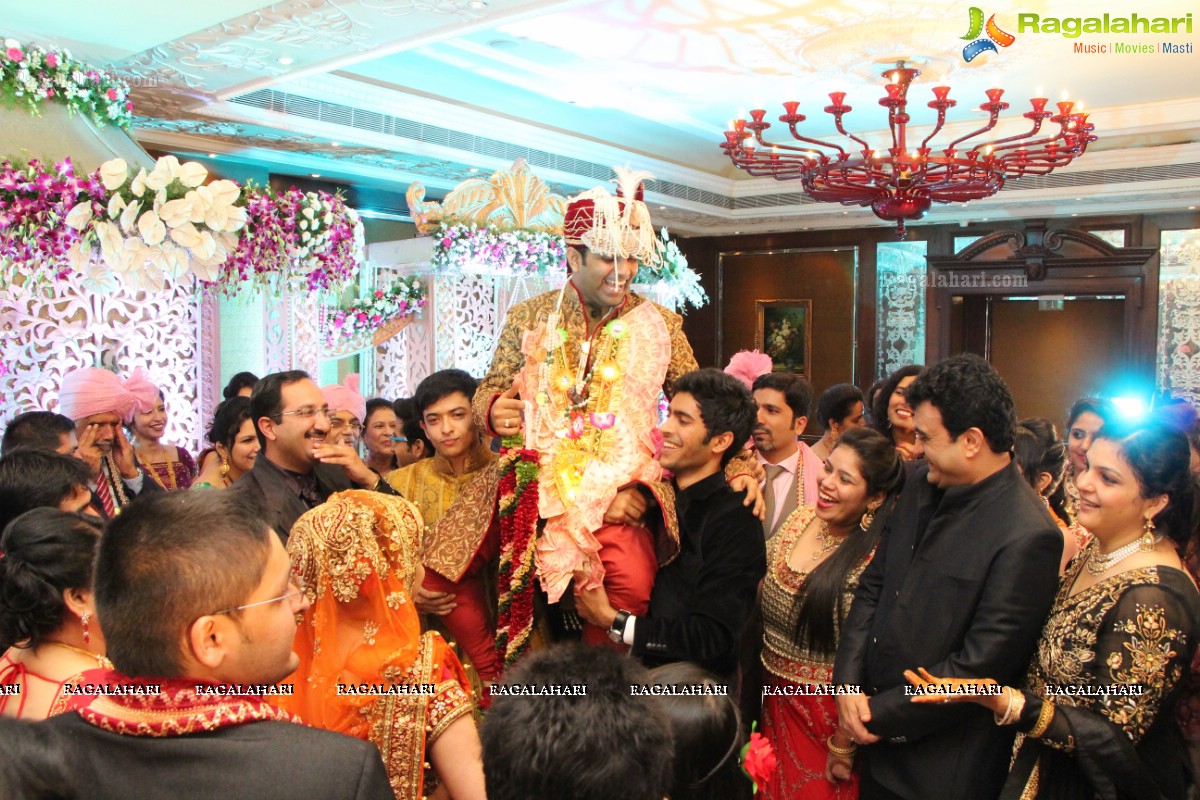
[101, 660]
[1099, 563]
[825, 541]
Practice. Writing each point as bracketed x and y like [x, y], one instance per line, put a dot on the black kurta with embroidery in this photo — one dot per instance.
[1110, 659]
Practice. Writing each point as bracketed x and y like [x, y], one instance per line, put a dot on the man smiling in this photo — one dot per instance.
[298, 467]
[702, 600]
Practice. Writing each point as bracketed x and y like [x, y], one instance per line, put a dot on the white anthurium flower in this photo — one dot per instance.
[170, 165]
[200, 200]
[78, 257]
[186, 235]
[116, 205]
[205, 269]
[206, 248]
[237, 219]
[130, 256]
[308, 212]
[176, 213]
[227, 241]
[303, 224]
[110, 240]
[305, 236]
[129, 217]
[99, 279]
[328, 218]
[138, 187]
[175, 261]
[224, 192]
[160, 176]
[114, 173]
[160, 198]
[151, 228]
[80, 216]
[192, 174]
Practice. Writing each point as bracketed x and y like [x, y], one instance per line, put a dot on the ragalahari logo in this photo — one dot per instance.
[995, 36]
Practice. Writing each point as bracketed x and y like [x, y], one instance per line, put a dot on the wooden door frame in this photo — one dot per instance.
[1035, 261]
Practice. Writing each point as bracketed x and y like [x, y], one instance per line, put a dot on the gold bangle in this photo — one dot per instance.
[840, 752]
[1045, 717]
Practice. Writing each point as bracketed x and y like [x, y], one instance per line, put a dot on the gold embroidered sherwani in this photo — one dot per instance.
[454, 542]
[432, 486]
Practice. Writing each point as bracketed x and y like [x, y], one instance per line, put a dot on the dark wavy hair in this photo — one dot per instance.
[46, 552]
[1038, 449]
[1160, 457]
[242, 380]
[1104, 409]
[32, 478]
[820, 598]
[968, 393]
[227, 421]
[708, 735]
[836, 402]
[879, 415]
[726, 405]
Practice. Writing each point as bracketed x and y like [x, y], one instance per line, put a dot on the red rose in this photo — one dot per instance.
[758, 760]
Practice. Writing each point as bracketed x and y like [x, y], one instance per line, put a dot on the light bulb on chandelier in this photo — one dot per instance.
[901, 183]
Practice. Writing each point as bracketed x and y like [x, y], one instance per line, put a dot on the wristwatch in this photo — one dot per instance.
[616, 631]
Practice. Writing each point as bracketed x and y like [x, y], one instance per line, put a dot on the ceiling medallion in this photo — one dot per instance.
[903, 181]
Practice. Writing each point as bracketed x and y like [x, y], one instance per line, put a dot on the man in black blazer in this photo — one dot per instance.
[297, 467]
[199, 608]
[702, 600]
[961, 584]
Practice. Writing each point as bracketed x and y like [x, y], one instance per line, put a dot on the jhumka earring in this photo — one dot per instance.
[868, 517]
[83, 620]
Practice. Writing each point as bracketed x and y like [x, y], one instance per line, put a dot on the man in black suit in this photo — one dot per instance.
[702, 600]
[297, 467]
[961, 584]
[199, 607]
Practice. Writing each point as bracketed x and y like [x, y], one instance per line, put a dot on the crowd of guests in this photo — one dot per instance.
[542, 585]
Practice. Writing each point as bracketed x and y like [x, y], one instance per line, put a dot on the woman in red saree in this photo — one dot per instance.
[814, 564]
[366, 669]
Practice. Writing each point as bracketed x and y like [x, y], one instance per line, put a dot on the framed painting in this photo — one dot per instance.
[784, 332]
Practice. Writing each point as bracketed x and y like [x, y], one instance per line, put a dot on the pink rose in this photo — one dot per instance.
[128, 105]
[52, 60]
[112, 94]
[379, 293]
[15, 54]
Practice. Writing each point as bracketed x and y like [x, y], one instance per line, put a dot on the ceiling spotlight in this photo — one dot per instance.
[287, 61]
[212, 155]
[477, 5]
[315, 175]
[473, 170]
[335, 144]
[660, 208]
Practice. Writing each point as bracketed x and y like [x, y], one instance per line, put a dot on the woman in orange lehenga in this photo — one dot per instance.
[366, 669]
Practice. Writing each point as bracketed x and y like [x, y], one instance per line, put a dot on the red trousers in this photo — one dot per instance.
[630, 563]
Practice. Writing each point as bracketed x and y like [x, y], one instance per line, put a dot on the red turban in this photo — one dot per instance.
[614, 226]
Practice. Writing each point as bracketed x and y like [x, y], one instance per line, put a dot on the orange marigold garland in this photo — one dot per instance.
[518, 509]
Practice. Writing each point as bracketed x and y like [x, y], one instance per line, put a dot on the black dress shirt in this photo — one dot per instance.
[960, 584]
[702, 599]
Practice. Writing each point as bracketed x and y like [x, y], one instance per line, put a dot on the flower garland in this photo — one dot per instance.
[672, 276]
[404, 298]
[518, 508]
[31, 75]
[461, 248]
[156, 226]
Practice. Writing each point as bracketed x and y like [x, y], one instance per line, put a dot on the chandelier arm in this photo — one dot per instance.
[841, 151]
[865, 146]
[940, 122]
[1037, 126]
[794, 149]
[995, 116]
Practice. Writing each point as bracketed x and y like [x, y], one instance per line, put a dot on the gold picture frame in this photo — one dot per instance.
[784, 332]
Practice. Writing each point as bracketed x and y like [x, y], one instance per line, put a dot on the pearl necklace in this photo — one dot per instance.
[1099, 563]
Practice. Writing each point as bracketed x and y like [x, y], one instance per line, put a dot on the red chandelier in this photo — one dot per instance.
[901, 184]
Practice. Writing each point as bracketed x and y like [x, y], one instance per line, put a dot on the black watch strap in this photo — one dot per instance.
[616, 631]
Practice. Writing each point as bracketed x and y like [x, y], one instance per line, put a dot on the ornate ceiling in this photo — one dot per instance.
[379, 93]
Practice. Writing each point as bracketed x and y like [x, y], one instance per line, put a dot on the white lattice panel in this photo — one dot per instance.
[47, 335]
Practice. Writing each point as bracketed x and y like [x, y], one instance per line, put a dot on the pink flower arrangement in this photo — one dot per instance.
[404, 298]
[471, 249]
[31, 75]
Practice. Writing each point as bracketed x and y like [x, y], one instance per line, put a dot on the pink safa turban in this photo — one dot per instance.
[748, 365]
[90, 391]
[345, 397]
